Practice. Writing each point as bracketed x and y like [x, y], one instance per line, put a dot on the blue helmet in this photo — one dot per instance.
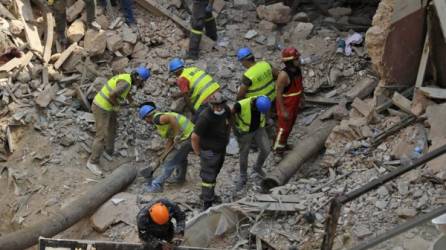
[145, 110]
[244, 53]
[175, 64]
[143, 72]
[263, 104]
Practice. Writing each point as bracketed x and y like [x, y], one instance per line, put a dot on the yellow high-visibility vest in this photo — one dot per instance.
[262, 81]
[243, 119]
[102, 98]
[186, 126]
[201, 85]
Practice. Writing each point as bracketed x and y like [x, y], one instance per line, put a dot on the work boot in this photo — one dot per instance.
[192, 56]
[176, 180]
[94, 168]
[240, 184]
[153, 188]
[259, 171]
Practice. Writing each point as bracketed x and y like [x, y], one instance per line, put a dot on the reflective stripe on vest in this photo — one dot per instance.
[201, 85]
[262, 81]
[243, 119]
[102, 98]
[186, 126]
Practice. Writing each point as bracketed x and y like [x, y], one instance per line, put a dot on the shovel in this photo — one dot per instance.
[148, 172]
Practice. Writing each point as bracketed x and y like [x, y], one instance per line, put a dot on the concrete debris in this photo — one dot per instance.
[340, 12]
[118, 65]
[277, 13]
[114, 41]
[95, 41]
[301, 31]
[75, 10]
[76, 31]
[267, 26]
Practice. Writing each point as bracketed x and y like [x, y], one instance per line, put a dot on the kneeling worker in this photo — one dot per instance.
[155, 225]
[176, 129]
[209, 140]
[105, 109]
[250, 124]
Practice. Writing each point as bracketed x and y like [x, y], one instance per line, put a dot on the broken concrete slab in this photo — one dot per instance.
[119, 64]
[110, 213]
[76, 31]
[46, 96]
[128, 35]
[277, 13]
[433, 92]
[362, 89]
[402, 102]
[75, 10]
[301, 31]
[364, 109]
[95, 41]
[114, 41]
[267, 26]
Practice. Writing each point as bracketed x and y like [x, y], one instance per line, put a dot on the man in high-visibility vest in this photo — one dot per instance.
[250, 120]
[177, 129]
[201, 19]
[105, 107]
[259, 77]
[289, 90]
[195, 84]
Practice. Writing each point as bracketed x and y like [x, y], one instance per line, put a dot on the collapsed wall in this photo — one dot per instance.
[395, 43]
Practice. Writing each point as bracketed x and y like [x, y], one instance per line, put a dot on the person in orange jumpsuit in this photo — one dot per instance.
[289, 91]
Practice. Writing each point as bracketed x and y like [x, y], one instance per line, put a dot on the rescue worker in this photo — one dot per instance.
[59, 10]
[288, 96]
[250, 120]
[209, 141]
[201, 18]
[177, 129]
[105, 109]
[196, 86]
[126, 8]
[154, 222]
[259, 77]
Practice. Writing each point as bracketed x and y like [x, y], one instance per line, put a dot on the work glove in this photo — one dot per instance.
[209, 8]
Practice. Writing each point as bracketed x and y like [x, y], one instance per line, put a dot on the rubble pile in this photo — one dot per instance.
[53, 97]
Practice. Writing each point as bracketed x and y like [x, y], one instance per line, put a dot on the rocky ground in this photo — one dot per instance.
[51, 131]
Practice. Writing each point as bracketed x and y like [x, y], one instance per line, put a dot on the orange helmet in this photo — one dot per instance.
[289, 54]
[159, 213]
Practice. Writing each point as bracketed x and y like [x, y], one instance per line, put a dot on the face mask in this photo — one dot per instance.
[221, 112]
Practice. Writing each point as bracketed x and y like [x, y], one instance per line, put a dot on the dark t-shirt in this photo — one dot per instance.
[255, 117]
[213, 130]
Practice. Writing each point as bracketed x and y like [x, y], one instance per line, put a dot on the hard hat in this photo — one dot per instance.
[143, 72]
[289, 54]
[244, 53]
[159, 213]
[145, 110]
[263, 104]
[217, 98]
[175, 64]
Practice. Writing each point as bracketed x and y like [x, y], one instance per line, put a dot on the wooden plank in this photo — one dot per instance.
[17, 62]
[440, 6]
[157, 9]
[272, 206]
[277, 198]
[32, 35]
[4, 12]
[64, 56]
[423, 62]
[402, 102]
[435, 93]
[49, 37]
[9, 139]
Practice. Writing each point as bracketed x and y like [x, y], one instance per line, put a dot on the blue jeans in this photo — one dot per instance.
[127, 8]
[177, 159]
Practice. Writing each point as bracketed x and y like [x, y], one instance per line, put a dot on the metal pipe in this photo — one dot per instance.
[330, 229]
[301, 152]
[401, 228]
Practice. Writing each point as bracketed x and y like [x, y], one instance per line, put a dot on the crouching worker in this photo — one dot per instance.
[155, 227]
[209, 140]
[177, 129]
